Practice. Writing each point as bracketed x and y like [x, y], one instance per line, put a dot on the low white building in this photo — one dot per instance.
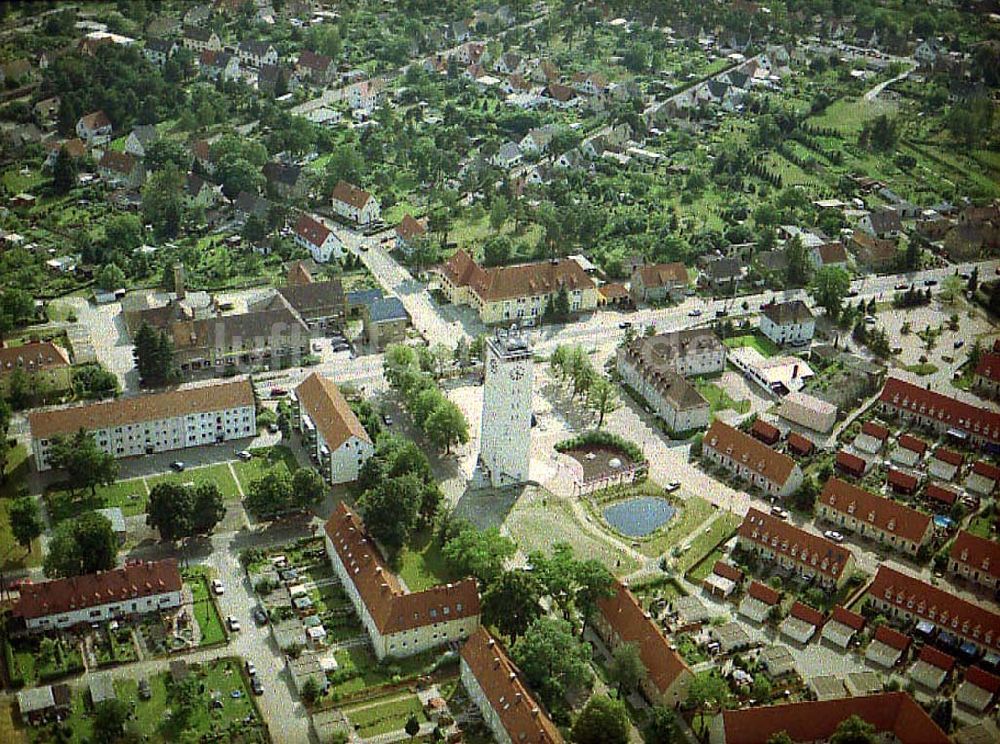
[887, 647]
[332, 434]
[842, 626]
[355, 204]
[154, 422]
[319, 240]
[788, 323]
[778, 375]
[909, 450]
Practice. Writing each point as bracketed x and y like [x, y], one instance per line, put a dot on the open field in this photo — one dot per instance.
[12, 555]
[219, 474]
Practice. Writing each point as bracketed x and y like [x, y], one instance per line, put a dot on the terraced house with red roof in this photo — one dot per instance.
[909, 600]
[399, 623]
[874, 517]
[771, 471]
[137, 589]
[986, 377]
[976, 559]
[620, 620]
[941, 413]
[791, 547]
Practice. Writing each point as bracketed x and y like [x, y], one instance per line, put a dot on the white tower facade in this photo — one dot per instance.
[505, 444]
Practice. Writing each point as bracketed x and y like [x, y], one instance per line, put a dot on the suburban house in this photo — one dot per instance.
[559, 96]
[200, 193]
[874, 517]
[796, 549]
[136, 589]
[364, 96]
[657, 282]
[152, 422]
[520, 293]
[808, 411]
[850, 464]
[758, 602]
[909, 451]
[139, 139]
[939, 412]
[407, 231]
[94, 128]
[907, 600]
[902, 483]
[318, 68]
[872, 438]
[723, 273]
[247, 204]
[505, 702]
[507, 156]
[986, 377]
[76, 148]
[776, 474]
[896, 716]
[385, 321]
[199, 39]
[882, 223]
[655, 367]
[828, 254]
[285, 180]
[398, 623]
[620, 619]
[976, 559]
[801, 623]
[945, 464]
[41, 361]
[322, 305]
[119, 169]
[982, 478]
[842, 626]
[318, 239]
[873, 253]
[219, 64]
[158, 51]
[331, 432]
[355, 204]
[788, 323]
[256, 53]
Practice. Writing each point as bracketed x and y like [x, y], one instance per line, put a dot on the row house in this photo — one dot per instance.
[795, 549]
[976, 559]
[136, 589]
[776, 474]
[158, 51]
[355, 204]
[317, 68]
[199, 40]
[219, 65]
[909, 451]
[255, 53]
[872, 438]
[945, 464]
[658, 282]
[986, 377]
[42, 362]
[331, 432]
[788, 323]
[842, 626]
[939, 412]
[120, 169]
[982, 478]
[503, 698]
[94, 128]
[521, 293]
[874, 517]
[318, 239]
[908, 600]
[150, 423]
[398, 623]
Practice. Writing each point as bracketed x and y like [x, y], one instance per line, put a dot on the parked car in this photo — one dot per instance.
[672, 486]
[387, 419]
[278, 392]
[959, 344]
[177, 465]
[244, 455]
[870, 319]
[233, 624]
[256, 686]
[251, 669]
[833, 535]
[930, 282]
[778, 512]
[694, 313]
[902, 286]
[145, 692]
[260, 616]
[218, 588]
[624, 324]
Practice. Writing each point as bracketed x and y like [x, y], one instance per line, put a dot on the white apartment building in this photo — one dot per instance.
[331, 432]
[154, 422]
[355, 204]
[788, 323]
[505, 444]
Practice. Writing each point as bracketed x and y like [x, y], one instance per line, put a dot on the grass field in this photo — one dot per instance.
[12, 555]
[219, 474]
[382, 715]
[849, 116]
[922, 370]
[706, 541]
[756, 341]
[205, 611]
[692, 512]
[979, 526]
[364, 671]
[263, 460]
[130, 496]
[422, 565]
[719, 399]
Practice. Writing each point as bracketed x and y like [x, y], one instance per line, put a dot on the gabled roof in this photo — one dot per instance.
[281, 173]
[875, 431]
[409, 228]
[912, 443]
[95, 120]
[764, 593]
[31, 357]
[749, 452]
[765, 431]
[315, 62]
[252, 204]
[255, 47]
[507, 693]
[982, 679]
[892, 638]
[160, 45]
[807, 614]
[313, 299]
[885, 220]
[844, 616]
[940, 493]
[832, 253]
[626, 617]
[727, 571]
[146, 134]
[884, 514]
[899, 479]
[889, 712]
[92, 590]
[329, 411]
[936, 658]
[521, 280]
[118, 162]
[665, 274]
[197, 33]
[386, 309]
[948, 456]
[800, 444]
[976, 552]
[822, 555]
[351, 195]
[784, 313]
[559, 92]
[986, 470]
[989, 367]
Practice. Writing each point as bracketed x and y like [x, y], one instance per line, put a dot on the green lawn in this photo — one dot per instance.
[848, 116]
[756, 341]
[130, 496]
[382, 715]
[16, 182]
[701, 571]
[12, 555]
[359, 669]
[719, 399]
[692, 511]
[205, 612]
[264, 459]
[922, 370]
[422, 565]
[218, 474]
[705, 542]
[979, 525]
[36, 662]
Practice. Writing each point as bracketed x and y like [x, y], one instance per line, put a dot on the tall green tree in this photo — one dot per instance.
[81, 546]
[64, 172]
[661, 726]
[308, 488]
[25, 520]
[512, 602]
[479, 553]
[829, 287]
[446, 426]
[602, 721]
[627, 670]
[86, 464]
[109, 721]
[390, 510]
[553, 659]
[162, 204]
[594, 582]
[855, 730]
[271, 494]
[797, 257]
[602, 399]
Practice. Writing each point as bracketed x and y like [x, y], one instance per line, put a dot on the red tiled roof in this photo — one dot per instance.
[91, 590]
[949, 411]
[941, 493]
[508, 695]
[119, 162]
[976, 552]
[912, 443]
[832, 253]
[982, 679]
[815, 551]
[800, 444]
[30, 357]
[899, 479]
[350, 194]
[560, 92]
[884, 514]
[807, 613]
[626, 617]
[764, 593]
[845, 617]
[852, 463]
[937, 658]
[987, 470]
[924, 600]
[727, 571]
[949, 456]
[989, 367]
[895, 639]
[894, 712]
[329, 411]
[312, 60]
[315, 233]
[874, 430]
[392, 610]
[523, 280]
[95, 120]
[613, 290]
[744, 449]
[765, 432]
[409, 228]
[659, 275]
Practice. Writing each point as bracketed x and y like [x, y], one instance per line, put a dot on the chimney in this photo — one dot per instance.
[179, 280]
[795, 371]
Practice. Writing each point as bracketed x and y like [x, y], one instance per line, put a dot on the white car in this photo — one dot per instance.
[672, 486]
[244, 455]
[233, 624]
[833, 535]
[218, 588]
[778, 512]
[694, 313]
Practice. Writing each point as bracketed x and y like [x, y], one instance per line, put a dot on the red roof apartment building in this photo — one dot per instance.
[399, 623]
[976, 559]
[773, 472]
[874, 517]
[986, 377]
[620, 620]
[137, 589]
[939, 412]
[494, 684]
[910, 600]
[895, 715]
[794, 548]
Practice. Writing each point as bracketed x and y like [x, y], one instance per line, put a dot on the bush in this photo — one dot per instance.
[601, 438]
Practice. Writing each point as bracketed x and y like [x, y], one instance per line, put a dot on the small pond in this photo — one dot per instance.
[640, 516]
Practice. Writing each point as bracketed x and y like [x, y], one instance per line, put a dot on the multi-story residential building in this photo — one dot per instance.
[355, 204]
[136, 589]
[976, 559]
[331, 432]
[322, 305]
[41, 361]
[986, 378]
[794, 548]
[318, 239]
[140, 138]
[774, 473]
[158, 51]
[256, 53]
[318, 68]
[94, 128]
[655, 366]
[658, 282]
[505, 440]
[521, 293]
[896, 716]
[398, 623]
[939, 412]
[153, 422]
[620, 620]
[408, 231]
[200, 39]
[385, 321]
[909, 600]
[871, 516]
[364, 96]
[788, 323]
[219, 64]
[495, 685]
